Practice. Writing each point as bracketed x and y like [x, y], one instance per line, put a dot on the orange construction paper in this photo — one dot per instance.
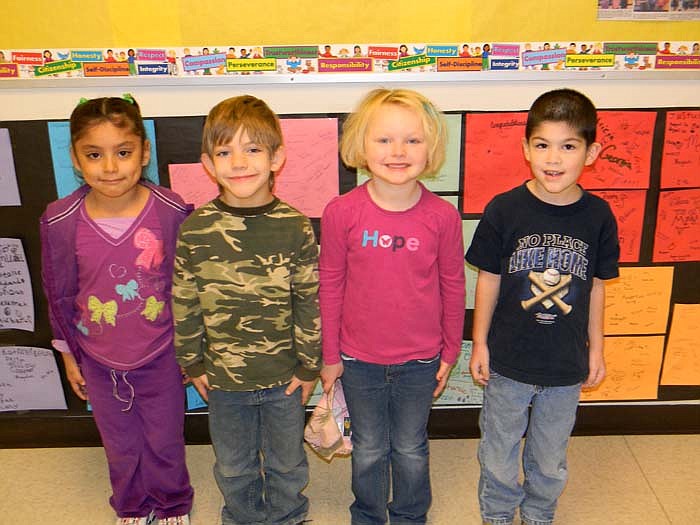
[628, 208]
[680, 163]
[682, 359]
[677, 236]
[625, 159]
[638, 301]
[632, 369]
[493, 157]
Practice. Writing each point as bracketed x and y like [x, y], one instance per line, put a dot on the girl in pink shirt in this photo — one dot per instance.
[392, 299]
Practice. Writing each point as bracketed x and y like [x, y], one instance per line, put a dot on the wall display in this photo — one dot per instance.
[678, 226]
[16, 298]
[9, 192]
[628, 208]
[648, 10]
[29, 380]
[680, 166]
[651, 310]
[632, 367]
[682, 359]
[338, 59]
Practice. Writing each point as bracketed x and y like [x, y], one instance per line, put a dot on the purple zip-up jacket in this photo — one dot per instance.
[59, 268]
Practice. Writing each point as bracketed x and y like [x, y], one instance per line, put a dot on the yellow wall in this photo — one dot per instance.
[127, 23]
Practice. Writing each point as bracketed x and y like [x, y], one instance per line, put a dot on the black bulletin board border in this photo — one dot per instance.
[677, 409]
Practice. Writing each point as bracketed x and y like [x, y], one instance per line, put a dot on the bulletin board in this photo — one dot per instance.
[648, 172]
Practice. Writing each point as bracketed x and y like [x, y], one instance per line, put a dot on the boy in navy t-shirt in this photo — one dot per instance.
[543, 250]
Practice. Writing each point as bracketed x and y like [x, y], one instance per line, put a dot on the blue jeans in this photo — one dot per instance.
[389, 407]
[503, 421]
[261, 465]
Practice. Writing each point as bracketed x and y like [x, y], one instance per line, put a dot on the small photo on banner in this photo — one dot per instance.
[677, 236]
[680, 163]
[624, 161]
[66, 177]
[308, 179]
[493, 157]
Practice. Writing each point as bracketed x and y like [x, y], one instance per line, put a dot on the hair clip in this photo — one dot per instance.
[82, 101]
[129, 98]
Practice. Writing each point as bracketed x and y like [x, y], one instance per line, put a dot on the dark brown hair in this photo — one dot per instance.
[564, 105]
[120, 112]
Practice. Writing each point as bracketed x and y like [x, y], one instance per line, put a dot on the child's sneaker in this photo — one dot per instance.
[133, 521]
[175, 520]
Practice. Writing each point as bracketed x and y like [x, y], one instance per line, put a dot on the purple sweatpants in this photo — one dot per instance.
[142, 435]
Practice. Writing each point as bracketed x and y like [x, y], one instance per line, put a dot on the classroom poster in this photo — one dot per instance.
[680, 163]
[632, 369]
[682, 358]
[628, 209]
[308, 179]
[638, 301]
[192, 183]
[471, 273]
[461, 388]
[29, 379]
[9, 192]
[677, 235]
[493, 157]
[16, 299]
[624, 162]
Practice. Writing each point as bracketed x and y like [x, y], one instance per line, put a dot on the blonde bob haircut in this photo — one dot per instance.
[352, 142]
[245, 112]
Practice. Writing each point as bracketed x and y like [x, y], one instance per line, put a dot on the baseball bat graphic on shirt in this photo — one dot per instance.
[547, 293]
[539, 282]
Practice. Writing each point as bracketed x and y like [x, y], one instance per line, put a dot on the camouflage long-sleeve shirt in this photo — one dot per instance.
[245, 296]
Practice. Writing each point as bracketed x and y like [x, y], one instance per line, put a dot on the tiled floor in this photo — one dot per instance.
[614, 480]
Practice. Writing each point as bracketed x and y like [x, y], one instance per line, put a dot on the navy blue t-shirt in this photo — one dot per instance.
[547, 257]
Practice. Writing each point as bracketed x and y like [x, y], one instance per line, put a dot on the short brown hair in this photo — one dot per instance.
[352, 142]
[244, 112]
[564, 105]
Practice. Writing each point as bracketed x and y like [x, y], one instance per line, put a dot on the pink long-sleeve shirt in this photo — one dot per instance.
[392, 283]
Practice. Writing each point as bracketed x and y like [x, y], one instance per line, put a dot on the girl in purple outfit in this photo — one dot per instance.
[107, 262]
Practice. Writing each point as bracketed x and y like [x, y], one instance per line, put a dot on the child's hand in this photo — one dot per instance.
[329, 374]
[74, 376]
[201, 383]
[442, 376]
[479, 363]
[307, 387]
[596, 367]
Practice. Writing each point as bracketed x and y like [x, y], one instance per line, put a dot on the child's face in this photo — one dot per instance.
[557, 154]
[110, 159]
[396, 148]
[242, 170]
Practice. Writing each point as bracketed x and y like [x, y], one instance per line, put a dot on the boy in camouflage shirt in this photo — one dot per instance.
[247, 328]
